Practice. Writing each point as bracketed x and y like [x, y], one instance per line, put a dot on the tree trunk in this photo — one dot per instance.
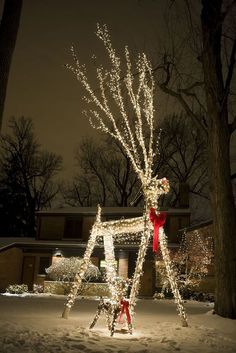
[223, 208]
[224, 223]
[8, 33]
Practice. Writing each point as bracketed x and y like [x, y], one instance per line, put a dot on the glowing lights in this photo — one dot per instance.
[110, 110]
[191, 261]
[172, 277]
[116, 285]
[123, 107]
[83, 268]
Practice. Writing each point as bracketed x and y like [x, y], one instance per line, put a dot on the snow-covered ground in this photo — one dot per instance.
[34, 324]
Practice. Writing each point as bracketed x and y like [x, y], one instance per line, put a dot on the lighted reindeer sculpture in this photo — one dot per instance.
[136, 136]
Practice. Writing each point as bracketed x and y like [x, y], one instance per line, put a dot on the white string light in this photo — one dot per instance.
[123, 90]
[171, 277]
[80, 275]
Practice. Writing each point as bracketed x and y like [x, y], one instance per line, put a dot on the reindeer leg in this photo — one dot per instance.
[98, 313]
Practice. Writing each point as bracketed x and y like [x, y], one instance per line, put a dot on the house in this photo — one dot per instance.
[65, 231]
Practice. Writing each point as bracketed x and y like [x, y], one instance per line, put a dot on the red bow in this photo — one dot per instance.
[158, 221]
[125, 308]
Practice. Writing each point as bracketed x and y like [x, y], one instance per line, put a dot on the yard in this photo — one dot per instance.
[34, 324]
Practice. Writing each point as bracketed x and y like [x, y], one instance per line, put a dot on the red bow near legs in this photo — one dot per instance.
[125, 309]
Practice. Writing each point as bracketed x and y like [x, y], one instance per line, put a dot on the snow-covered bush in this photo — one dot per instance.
[17, 288]
[202, 297]
[65, 269]
[38, 288]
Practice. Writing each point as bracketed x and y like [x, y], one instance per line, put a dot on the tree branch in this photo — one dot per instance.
[184, 104]
[166, 89]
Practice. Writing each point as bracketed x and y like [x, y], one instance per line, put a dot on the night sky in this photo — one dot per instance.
[41, 88]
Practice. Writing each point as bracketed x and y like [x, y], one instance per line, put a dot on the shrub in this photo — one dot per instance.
[17, 288]
[38, 288]
[65, 270]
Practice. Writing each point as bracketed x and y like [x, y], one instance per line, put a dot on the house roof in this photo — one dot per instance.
[92, 211]
[6, 242]
[196, 226]
[20, 242]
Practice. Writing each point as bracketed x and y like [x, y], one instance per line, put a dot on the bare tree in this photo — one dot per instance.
[219, 131]
[206, 88]
[80, 192]
[182, 157]
[8, 32]
[26, 171]
[105, 177]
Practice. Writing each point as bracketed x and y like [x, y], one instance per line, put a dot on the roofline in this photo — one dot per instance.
[196, 226]
[59, 245]
[92, 211]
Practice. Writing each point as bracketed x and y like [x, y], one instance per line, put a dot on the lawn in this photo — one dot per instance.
[34, 324]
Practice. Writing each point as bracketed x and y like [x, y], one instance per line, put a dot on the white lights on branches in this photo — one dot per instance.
[123, 107]
[123, 90]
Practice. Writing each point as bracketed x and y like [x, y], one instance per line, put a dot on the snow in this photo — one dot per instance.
[33, 324]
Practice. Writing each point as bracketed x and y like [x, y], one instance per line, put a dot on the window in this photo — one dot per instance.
[73, 228]
[44, 262]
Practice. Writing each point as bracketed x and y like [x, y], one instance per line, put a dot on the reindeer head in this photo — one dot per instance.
[154, 189]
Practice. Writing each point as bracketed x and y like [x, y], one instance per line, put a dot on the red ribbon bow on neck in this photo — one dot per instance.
[158, 221]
